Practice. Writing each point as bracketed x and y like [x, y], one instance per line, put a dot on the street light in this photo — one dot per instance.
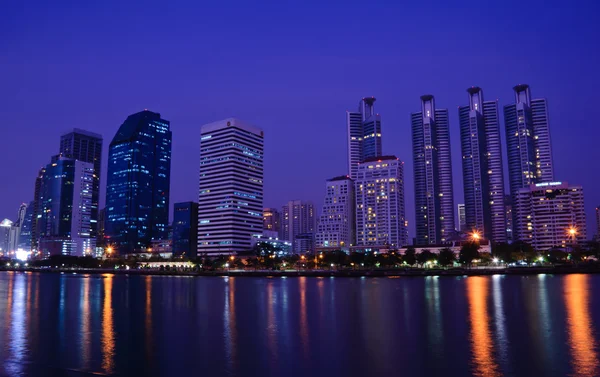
[475, 236]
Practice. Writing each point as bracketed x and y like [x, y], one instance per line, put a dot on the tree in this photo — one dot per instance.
[409, 256]
[468, 253]
[502, 251]
[425, 256]
[446, 257]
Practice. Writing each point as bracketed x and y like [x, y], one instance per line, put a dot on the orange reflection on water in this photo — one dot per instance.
[148, 314]
[85, 323]
[108, 335]
[581, 342]
[481, 337]
[303, 317]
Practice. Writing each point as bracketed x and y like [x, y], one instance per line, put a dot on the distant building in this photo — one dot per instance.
[297, 217]
[551, 214]
[282, 247]
[138, 184]
[598, 222]
[380, 211]
[37, 211]
[25, 227]
[304, 243]
[271, 221]
[434, 194]
[462, 219]
[509, 217]
[100, 239]
[64, 222]
[230, 202]
[364, 134]
[6, 238]
[87, 147]
[336, 226]
[185, 229]
[483, 175]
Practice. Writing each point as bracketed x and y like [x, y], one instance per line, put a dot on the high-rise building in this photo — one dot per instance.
[337, 221]
[598, 222]
[6, 246]
[434, 200]
[26, 228]
[138, 184]
[509, 217]
[550, 214]
[230, 204]
[462, 218]
[87, 147]
[364, 134]
[528, 145]
[100, 236]
[64, 224]
[37, 211]
[298, 218]
[271, 221]
[483, 176]
[185, 229]
[380, 213]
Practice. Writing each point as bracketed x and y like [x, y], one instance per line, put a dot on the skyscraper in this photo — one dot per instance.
[87, 147]
[230, 203]
[271, 220]
[37, 211]
[64, 224]
[138, 184]
[434, 200]
[551, 215]
[528, 145]
[483, 176]
[597, 223]
[508, 210]
[337, 221]
[185, 229]
[380, 213]
[298, 219]
[26, 228]
[364, 134]
[462, 217]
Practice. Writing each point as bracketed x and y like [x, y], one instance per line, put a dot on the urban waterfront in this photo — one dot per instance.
[75, 324]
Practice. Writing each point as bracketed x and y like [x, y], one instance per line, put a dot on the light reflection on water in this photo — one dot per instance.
[299, 326]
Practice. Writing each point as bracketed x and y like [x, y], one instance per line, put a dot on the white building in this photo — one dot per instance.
[298, 219]
[550, 214]
[230, 201]
[337, 219]
[380, 212]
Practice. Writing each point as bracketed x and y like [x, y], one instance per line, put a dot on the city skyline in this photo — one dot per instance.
[305, 72]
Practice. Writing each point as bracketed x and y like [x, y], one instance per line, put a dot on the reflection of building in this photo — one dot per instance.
[271, 219]
[337, 221]
[185, 229]
[462, 219]
[87, 147]
[297, 217]
[380, 214]
[509, 217]
[550, 215]
[364, 134]
[283, 247]
[137, 188]
[64, 222]
[483, 175]
[304, 243]
[230, 201]
[434, 201]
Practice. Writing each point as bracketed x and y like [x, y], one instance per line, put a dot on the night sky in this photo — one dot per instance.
[293, 69]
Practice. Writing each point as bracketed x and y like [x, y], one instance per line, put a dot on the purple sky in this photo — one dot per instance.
[292, 68]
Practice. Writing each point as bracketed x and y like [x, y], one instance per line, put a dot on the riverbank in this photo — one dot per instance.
[398, 272]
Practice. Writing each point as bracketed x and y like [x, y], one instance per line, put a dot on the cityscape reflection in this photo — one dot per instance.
[482, 347]
[108, 335]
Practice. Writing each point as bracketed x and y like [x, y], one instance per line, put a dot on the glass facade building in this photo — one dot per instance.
[185, 229]
[138, 183]
[25, 231]
[364, 134]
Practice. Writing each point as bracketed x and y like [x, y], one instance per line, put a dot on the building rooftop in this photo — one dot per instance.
[380, 158]
[340, 178]
[83, 132]
[230, 122]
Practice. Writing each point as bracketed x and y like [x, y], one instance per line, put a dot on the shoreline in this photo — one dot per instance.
[404, 272]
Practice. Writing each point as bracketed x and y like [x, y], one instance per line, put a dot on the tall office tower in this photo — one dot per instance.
[597, 223]
[551, 215]
[87, 147]
[337, 220]
[380, 211]
[230, 204]
[26, 228]
[5, 237]
[509, 217]
[100, 235]
[37, 214]
[65, 208]
[185, 229]
[297, 218]
[271, 220]
[364, 134]
[434, 200]
[528, 145]
[138, 184]
[462, 217]
[483, 176]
